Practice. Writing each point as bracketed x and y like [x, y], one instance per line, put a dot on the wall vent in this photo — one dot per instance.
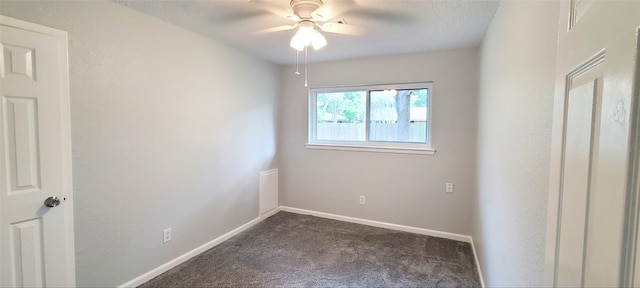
[268, 191]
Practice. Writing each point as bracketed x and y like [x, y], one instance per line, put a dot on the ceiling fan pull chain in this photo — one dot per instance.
[306, 49]
[297, 73]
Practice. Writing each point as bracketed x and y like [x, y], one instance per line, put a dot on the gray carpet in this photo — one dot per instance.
[292, 250]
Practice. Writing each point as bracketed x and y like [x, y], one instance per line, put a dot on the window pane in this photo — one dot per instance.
[399, 115]
[341, 116]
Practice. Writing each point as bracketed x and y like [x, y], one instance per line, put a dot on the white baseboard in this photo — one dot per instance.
[270, 213]
[182, 258]
[215, 242]
[475, 256]
[422, 231]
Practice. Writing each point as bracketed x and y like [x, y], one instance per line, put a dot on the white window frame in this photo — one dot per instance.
[370, 146]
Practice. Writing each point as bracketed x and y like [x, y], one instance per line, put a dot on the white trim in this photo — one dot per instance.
[367, 145]
[215, 242]
[65, 123]
[475, 256]
[33, 27]
[377, 149]
[184, 257]
[270, 213]
[422, 231]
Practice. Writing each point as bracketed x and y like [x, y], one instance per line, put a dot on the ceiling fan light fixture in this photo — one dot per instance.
[301, 38]
[317, 40]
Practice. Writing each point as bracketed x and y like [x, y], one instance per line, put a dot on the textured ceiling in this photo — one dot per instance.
[390, 26]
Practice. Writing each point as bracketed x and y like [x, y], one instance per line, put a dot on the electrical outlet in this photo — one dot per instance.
[166, 235]
[362, 200]
[449, 188]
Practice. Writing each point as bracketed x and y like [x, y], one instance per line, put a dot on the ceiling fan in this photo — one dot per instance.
[311, 17]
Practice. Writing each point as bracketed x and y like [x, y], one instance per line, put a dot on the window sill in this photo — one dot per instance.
[376, 149]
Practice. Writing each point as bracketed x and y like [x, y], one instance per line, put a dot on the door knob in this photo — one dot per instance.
[52, 201]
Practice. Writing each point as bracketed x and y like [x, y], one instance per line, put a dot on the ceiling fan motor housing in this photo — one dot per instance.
[304, 8]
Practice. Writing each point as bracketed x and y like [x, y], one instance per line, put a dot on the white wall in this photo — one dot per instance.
[514, 133]
[170, 129]
[400, 188]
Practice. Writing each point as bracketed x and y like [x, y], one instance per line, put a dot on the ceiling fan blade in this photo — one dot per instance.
[274, 29]
[338, 28]
[275, 9]
[331, 10]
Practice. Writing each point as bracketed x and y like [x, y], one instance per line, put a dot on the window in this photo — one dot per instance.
[381, 118]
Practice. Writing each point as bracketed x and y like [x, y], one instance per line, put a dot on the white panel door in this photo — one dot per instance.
[590, 211]
[36, 240]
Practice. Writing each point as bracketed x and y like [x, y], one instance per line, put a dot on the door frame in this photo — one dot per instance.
[61, 38]
[632, 208]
